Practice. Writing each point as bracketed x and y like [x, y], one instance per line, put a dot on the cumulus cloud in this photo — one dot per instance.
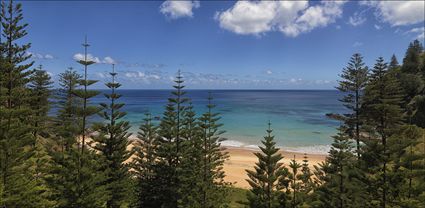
[40, 56]
[178, 9]
[398, 13]
[90, 57]
[419, 31]
[289, 17]
[146, 77]
[269, 72]
[109, 60]
[378, 27]
[357, 19]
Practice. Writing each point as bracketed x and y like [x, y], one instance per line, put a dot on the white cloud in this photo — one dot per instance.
[357, 44]
[398, 13]
[40, 56]
[177, 9]
[269, 72]
[248, 17]
[419, 31]
[378, 27]
[289, 17]
[357, 19]
[90, 57]
[109, 60]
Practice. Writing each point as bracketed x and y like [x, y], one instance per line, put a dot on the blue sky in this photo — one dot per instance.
[231, 45]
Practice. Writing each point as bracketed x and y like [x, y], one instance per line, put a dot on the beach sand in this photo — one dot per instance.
[241, 159]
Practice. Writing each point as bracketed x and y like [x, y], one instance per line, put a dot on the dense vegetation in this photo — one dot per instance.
[377, 158]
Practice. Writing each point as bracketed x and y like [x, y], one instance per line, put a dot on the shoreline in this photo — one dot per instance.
[241, 158]
[316, 149]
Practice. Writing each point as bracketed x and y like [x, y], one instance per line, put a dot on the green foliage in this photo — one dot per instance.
[144, 164]
[383, 107]
[40, 86]
[179, 162]
[67, 123]
[170, 150]
[354, 80]
[412, 61]
[19, 188]
[213, 187]
[111, 142]
[342, 180]
[237, 197]
[269, 178]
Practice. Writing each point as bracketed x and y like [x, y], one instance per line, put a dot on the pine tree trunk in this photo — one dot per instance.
[357, 125]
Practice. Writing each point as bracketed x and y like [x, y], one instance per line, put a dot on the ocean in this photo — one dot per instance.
[298, 117]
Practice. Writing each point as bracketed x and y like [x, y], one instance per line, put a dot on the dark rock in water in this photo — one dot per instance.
[317, 132]
[335, 116]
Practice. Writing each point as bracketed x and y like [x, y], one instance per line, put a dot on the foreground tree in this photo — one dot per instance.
[342, 181]
[407, 171]
[144, 163]
[170, 150]
[213, 188]
[64, 151]
[354, 80]
[112, 142]
[19, 189]
[266, 179]
[89, 185]
[384, 116]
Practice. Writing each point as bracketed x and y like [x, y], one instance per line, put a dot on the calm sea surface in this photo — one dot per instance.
[297, 116]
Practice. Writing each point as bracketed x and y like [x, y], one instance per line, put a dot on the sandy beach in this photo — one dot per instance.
[242, 158]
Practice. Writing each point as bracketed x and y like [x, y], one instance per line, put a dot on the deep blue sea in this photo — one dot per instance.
[298, 117]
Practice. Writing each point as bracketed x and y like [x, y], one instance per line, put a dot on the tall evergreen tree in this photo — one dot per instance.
[408, 172]
[193, 180]
[413, 84]
[354, 79]
[40, 89]
[40, 86]
[383, 99]
[393, 63]
[295, 184]
[342, 183]
[85, 94]
[64, 152]
[143, 164]
[67, 122]
[112, 142]
[19, 188]
[213, 186]
[411, 61]
[266, 190]
[170, 146]
[305, 177]
[89, 189]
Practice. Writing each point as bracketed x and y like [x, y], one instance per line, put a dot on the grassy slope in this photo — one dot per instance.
[237, 195]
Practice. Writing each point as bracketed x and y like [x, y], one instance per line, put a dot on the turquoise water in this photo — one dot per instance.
[297, 116]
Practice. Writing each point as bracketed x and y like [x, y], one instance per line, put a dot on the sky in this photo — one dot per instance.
[219, 44]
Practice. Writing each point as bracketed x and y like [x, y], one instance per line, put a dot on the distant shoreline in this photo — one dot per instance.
[318, 149]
